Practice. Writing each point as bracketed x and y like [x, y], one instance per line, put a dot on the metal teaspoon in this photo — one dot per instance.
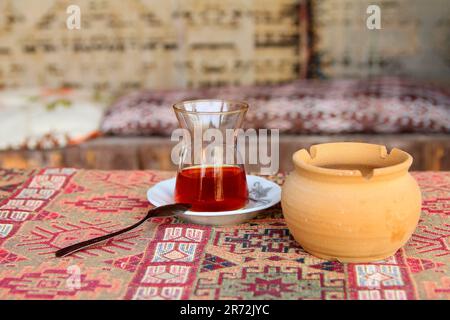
[162, 211]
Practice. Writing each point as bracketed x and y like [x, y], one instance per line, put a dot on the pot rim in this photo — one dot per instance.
[301, 158]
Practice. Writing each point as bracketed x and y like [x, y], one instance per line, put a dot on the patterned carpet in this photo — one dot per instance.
[44, 210]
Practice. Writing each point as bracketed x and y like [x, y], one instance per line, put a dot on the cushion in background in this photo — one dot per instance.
[37, 118]
[382, 105]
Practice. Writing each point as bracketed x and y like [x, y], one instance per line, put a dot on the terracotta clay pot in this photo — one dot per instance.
[352, 202]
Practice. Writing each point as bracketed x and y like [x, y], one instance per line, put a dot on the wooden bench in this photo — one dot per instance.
[430, 152]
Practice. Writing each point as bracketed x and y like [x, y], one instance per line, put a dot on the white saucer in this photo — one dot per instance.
[262, 192]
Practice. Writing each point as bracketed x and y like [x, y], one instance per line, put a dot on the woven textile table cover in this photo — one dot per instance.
[44, 210]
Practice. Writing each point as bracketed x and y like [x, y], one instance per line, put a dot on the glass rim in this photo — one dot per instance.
[242, 106]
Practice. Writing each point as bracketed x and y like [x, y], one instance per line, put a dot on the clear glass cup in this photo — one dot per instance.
[211, 173]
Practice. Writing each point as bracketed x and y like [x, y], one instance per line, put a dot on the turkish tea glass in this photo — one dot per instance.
[211, 174]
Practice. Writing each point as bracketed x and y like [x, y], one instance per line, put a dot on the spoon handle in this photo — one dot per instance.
[81, 245]
[162, 211]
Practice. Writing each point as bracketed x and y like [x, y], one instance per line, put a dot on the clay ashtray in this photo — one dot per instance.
[352, 202]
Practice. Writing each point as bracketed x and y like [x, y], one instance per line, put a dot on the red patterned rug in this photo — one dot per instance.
[42, 211]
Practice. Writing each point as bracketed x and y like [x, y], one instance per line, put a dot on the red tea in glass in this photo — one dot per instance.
[211, 176]
[212, 188]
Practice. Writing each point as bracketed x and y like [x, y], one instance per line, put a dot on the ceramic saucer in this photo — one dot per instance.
[262, 193]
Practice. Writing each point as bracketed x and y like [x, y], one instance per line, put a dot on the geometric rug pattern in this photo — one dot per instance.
[44, 210]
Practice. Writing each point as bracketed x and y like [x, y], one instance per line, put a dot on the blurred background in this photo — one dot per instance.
[101, 96]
